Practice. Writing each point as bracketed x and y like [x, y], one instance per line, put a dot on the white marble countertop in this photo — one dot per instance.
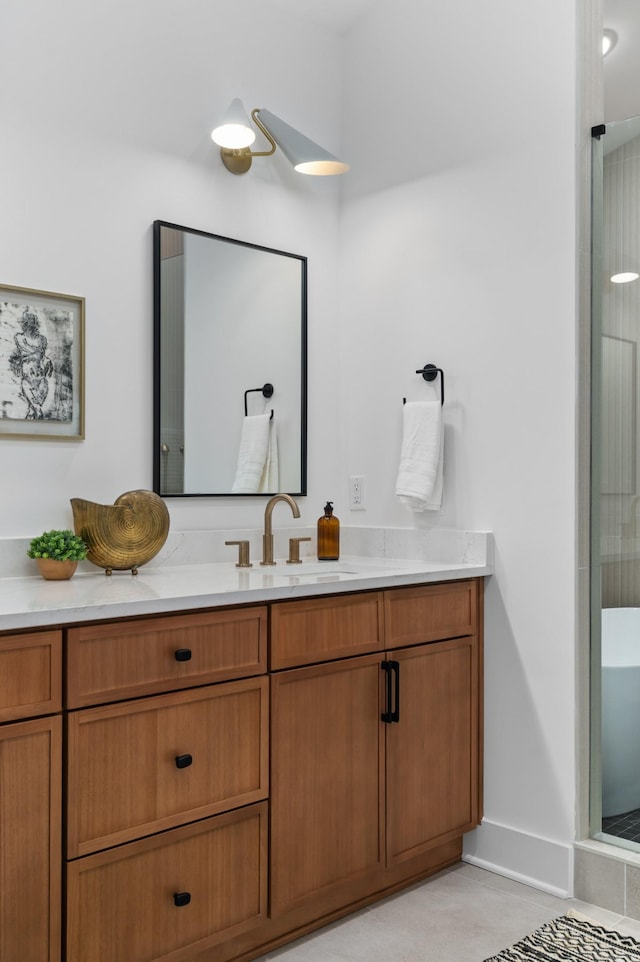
[30, 602]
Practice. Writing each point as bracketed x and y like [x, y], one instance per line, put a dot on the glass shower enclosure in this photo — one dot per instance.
[615, 487]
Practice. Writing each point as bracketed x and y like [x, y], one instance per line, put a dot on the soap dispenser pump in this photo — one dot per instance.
[328, 535]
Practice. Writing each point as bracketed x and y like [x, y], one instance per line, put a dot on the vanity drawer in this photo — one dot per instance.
[139, 767]
[122, 903]
[413, 616]
[321, 629]
[30, 675]
[139, 657]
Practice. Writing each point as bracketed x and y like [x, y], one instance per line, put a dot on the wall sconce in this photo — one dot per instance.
[234, 135]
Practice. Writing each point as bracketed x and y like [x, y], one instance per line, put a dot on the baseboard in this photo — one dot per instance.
[535, 861]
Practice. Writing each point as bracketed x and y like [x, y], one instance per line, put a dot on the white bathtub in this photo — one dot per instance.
[620, 710]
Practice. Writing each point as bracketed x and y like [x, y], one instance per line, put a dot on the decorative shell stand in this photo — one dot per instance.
[124, 535]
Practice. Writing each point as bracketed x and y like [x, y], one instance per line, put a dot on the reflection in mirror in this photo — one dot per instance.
[230, 366]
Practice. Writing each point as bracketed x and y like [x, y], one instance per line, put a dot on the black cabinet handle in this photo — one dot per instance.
[181, 898]
[392, 694]
[386, 714]
[183, 654]
[395, 714]
[183, 761]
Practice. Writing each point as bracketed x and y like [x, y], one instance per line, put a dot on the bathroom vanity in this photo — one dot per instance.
[193, 775]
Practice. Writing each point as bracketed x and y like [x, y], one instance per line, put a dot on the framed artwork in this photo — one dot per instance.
[41, 364]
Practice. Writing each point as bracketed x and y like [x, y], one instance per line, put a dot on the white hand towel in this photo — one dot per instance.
[270, 480]
[252, 455]
[419, 482]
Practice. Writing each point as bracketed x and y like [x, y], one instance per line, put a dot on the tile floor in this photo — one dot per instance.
[464, 914]
[623, 826]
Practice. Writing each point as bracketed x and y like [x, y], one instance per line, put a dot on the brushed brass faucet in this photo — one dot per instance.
[267, 537]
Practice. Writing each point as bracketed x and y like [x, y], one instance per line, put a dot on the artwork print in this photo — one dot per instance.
[41, 374]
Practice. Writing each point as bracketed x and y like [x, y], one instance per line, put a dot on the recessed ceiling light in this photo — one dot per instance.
[625, 277]
[609, 40]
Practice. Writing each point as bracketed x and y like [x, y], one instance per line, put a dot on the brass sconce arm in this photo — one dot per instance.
[238, 160]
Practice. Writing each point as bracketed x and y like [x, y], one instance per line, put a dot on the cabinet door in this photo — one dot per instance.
[432, 756]
[326, 783]
[30, 820]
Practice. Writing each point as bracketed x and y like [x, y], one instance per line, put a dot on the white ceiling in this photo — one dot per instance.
[622, 65]
[335, 15]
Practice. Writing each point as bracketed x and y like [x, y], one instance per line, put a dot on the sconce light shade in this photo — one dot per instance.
[303, 154]
[235, 130]
[234, 135]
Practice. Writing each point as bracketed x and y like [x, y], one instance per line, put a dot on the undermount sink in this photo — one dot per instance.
[313, 568]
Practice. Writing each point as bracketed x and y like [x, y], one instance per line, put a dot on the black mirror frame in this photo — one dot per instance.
[157, 355]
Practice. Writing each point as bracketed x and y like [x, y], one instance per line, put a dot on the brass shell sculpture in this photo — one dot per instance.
[123, 535]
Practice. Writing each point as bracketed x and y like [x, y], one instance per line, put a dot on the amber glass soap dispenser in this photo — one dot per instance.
[328, 535]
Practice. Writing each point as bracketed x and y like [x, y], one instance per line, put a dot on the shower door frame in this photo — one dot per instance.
[596, 455]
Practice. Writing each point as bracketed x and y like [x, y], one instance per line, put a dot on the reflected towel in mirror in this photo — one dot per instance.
[419, 482]
[270, 480]
[253, 453]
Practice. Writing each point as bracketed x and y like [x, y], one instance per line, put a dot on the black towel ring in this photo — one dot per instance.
[266, 390]
[430, 373]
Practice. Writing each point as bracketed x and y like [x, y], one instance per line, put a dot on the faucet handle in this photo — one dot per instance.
[294, 550]
[243, 554]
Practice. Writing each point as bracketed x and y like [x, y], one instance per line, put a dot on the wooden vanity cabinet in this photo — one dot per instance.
[225, 791]
[30, 797]
[375, 759]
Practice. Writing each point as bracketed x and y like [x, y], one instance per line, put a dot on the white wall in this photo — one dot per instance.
[456, 246]
[459, 250]
[106, 114]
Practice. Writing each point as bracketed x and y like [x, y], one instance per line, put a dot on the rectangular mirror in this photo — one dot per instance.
[230, 366]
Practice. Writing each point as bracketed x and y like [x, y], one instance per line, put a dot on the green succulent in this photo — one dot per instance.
[59, 545]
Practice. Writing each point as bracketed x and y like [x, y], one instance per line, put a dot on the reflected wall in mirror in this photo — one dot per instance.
[230, 322]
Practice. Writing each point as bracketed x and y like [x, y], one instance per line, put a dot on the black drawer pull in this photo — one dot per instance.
[181, 898]
[183, 761]
[183, 654]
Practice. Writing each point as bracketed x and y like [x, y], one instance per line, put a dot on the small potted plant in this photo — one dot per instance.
[57, 554]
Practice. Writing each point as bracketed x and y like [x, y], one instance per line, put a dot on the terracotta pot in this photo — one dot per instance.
[53, 570]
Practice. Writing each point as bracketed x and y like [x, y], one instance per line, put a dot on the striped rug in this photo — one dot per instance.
[569, 939]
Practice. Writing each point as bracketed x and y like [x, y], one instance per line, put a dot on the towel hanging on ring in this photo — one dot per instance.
[252, 454]
[270, 479]
[420, 473]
